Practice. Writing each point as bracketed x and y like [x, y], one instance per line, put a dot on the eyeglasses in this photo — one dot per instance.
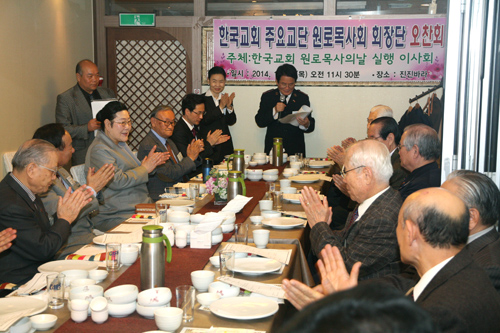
[166, 122]
[123, 123]
[286, 85]
[343, 171]
[52, 170]
[199, 113]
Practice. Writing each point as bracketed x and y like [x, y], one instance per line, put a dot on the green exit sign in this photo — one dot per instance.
[137, 20]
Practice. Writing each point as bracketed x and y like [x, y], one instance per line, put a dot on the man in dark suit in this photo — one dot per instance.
[34, 170]
[370, 231]
[482, 197]
[176, 167]
[432, 232]
[186, 130]
[280, 102]
[82, 230]
[74, 111]
[419, 150]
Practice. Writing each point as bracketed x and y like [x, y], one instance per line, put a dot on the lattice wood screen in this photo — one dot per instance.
[149, 73]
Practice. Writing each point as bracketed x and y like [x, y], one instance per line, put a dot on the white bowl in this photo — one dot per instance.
[271, 172]
[167, 226]
[196, 218]
[206, 299]
[261, 162]
[82, 282]
[214, 260]
[217, 231]
[216, 239]
[254, 178]
[121, 310]
[252, 163]
[223, 289]
[74, 274]
[201, 279]
[86, 292]
[148, 311]
[178, 217]
[23, 325]
[78, 305]
[79, 316]
[168, 319]
[270, 178]
[126, 293]
[260, 154]
[43, 322]
[287, 174]
[128, 255]
[296, 165]
[229, 217]
[154, 297]
[256, 219]
[99, 304]
[227, 227]
[270, 214]
[290, 190]
[292, 170]
[253, 172]
[177, 209]
[98, 275]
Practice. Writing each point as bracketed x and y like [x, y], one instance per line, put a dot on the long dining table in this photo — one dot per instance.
[186, 260]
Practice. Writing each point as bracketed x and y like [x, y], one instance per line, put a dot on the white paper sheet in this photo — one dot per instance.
[270, 290]
[283, 256]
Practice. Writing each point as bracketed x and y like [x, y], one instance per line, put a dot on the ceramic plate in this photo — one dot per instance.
[255, 266]
[304, 178]
[63, 265]
[244, 308]
[178, 202]
[284, 222]
[319, 164]
[14, 304]
[294, 197]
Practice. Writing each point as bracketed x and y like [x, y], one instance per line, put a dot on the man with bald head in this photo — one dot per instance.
[74, 110]
[34, 170]
[419, 151]
[171, 172]
[433, 227]
[369, 234]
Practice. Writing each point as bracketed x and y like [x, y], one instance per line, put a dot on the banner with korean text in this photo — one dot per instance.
[333, 51]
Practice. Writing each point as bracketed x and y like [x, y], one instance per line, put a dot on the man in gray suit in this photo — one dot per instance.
[369, 234]
[166, 175]
[82, 230]
[74, 111]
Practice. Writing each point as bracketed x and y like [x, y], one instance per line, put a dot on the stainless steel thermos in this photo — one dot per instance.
[235, 184]
[277, 151]
[153, 256]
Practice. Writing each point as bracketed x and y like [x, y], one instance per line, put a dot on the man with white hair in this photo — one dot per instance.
[369, 234]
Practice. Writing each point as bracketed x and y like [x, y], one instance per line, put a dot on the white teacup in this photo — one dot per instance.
[261, 238]
[129, 254]
[266, 205]
[285, 183]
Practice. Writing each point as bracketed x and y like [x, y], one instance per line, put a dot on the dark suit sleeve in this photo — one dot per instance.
[230, 117]
[264, 116]
[32, 242]
[312, 121]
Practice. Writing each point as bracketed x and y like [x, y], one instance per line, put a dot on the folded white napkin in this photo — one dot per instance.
[237, 204]
[9, 319]
[37, 283]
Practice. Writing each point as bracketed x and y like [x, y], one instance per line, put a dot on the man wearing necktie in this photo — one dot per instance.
[187, 129]
[82, 230]
[432, 231]
[280, 102]
[34, 170]
[369, 234]
[176, 168]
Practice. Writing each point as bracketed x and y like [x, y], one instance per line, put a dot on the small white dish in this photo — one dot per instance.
[252, 163]
[23, 325]
[98, 275]
[215, 261]
[126, 293]
[271, 172]
[205, 299]
[86, 292]
[270, 178]
[129, 255]
[269, 214]
[223, 289]
[149, 311]
[168, 319]
[121, 310]
[82, 282]
[154, 297]
[227, 227]
[43, 322]
[201, 279]
[256, 219]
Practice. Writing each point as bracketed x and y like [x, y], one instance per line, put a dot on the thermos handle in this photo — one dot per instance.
[240, 179]
[159, 240]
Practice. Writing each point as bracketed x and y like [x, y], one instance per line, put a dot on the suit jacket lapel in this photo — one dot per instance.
[80, 101]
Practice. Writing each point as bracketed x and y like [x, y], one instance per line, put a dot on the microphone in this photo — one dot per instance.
[283, 99]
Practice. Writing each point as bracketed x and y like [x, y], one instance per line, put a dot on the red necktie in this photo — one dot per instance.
[194, 133]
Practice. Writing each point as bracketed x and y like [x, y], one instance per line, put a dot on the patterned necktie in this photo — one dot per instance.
[194, 133]
[171, 153]
[353, 219]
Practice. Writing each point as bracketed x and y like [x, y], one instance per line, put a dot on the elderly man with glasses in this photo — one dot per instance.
[369, 234]
[177, 167]
[187, 129]
[34, 170]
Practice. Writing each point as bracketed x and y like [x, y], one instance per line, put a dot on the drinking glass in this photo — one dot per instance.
[278, 200]
[226, 261]
[161, 211]
[113, 257]
[194, 191]
[241, 233]
[185, 301]
[55, 290]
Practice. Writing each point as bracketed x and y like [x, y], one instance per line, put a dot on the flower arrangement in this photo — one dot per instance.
[217, 185]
